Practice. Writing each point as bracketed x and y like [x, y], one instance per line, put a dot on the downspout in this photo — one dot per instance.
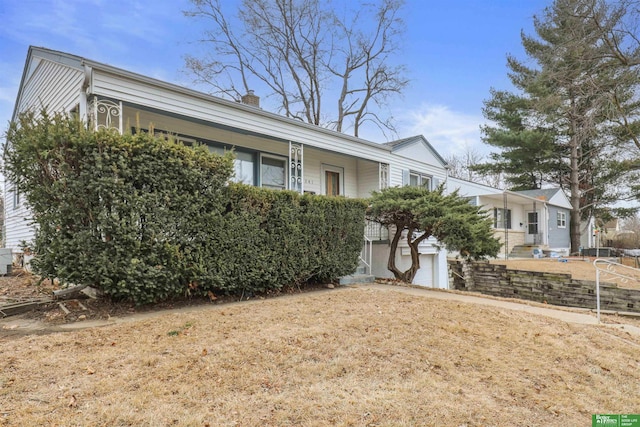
[446, 178]
[547, 222]
[85, 92]
[535, 213]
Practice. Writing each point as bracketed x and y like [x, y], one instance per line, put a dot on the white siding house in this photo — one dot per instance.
[271, 150]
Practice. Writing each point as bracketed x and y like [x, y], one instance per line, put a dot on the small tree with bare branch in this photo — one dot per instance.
[464, 165]
[324, 66]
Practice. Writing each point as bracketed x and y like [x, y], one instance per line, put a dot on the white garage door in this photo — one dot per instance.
[424, 275]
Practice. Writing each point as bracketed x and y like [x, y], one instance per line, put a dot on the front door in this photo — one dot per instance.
[533, 235]
[332, 183]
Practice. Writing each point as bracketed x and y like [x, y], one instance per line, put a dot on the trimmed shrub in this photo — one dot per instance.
[283, 238]
[115, 212]
[145, 219]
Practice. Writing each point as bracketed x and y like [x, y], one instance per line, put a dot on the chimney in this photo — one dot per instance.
[251, 99]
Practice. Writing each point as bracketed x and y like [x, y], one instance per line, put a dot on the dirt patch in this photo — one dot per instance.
[578, 268]
[345, 357]
[23, 286]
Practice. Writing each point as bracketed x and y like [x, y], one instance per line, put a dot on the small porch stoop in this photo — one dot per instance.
[360, 276]
[525, 251]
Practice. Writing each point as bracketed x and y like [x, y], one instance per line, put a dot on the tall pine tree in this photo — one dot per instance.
[529, 157]
[562, 127]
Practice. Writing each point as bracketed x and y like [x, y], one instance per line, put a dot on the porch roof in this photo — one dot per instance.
[515, 197]
[131, 88]
[215, 100]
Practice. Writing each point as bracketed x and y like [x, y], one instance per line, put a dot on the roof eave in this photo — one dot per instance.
[224, 102]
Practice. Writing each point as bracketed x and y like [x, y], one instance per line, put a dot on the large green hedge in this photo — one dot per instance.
[145, 219]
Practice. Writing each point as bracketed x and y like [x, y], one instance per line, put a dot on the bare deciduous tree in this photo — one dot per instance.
[618, 26]
[462, 166]
[305, 52]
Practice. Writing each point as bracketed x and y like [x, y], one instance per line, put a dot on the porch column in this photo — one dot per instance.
[105, 114]
[296, 180]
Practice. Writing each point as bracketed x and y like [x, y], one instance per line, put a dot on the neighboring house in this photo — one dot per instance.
[522, 219]
[609, 232]
[553, 219]
[596, 233]
[588, 233]
[271, 151]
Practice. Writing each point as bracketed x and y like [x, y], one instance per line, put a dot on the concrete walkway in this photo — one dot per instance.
[569, 315]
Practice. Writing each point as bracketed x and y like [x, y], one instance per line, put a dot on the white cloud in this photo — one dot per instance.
[449, 131]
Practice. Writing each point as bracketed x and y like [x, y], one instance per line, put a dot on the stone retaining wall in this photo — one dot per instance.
[552, 288]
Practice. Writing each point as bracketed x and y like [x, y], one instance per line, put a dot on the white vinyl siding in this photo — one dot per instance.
[418, 151]
[368, 177]
[162, 96]
[17, 229]
[395, 175]
[56, 87]
[51, 85]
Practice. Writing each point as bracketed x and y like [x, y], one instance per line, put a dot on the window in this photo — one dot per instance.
[243, 165]
[273, 172]
[501, 218]
[532, 222]
[419, 180]
[562, 220]
[16, 198]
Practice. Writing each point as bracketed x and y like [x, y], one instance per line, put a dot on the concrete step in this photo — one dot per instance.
[520, 254]
[523, 251]
[357, 278]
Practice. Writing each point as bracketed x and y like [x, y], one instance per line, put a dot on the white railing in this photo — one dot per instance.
[376, 231]
[366, 255]
[615, 272]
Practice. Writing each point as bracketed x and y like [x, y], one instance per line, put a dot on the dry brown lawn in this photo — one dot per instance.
[578, 268]
[349, 357]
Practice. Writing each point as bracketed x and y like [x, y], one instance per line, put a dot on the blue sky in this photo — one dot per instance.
[455, 51]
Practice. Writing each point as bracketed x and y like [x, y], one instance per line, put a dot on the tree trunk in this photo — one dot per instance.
[574, 188]
[391, 264]
[408, 275]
